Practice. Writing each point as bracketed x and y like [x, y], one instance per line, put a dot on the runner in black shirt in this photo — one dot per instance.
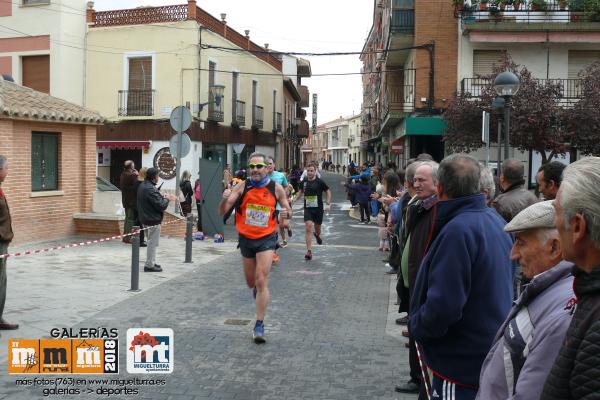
[313, 188]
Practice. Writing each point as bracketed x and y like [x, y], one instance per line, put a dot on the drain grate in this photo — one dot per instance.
[237, 321]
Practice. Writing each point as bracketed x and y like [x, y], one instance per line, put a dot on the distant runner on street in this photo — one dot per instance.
[313, 188]
[256, 222]
[280, 178]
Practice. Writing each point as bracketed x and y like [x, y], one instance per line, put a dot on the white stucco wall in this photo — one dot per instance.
[66, 28]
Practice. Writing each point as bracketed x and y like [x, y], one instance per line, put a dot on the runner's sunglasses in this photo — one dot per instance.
[257, 166]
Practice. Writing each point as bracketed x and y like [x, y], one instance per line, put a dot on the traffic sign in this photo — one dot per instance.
[181, 118]
[186, 145]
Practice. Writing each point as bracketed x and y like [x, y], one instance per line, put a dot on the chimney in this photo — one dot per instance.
[247, 32]
[267, 46]
[191, 11]
[224, 21]
[89, 13]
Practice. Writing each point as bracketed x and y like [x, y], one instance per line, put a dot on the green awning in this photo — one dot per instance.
[424, 126]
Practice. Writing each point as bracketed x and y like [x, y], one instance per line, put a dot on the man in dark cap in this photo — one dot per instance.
[151, 206]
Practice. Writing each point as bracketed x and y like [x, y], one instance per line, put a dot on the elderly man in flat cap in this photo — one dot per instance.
[528, 342]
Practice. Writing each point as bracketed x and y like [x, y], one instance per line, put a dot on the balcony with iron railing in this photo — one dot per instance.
[398, 100]
[276, 122]
[257, 117]
[239, 113]
[571, 91]
[549, 15]
[216, 112]
[136, 103]
[403, 21]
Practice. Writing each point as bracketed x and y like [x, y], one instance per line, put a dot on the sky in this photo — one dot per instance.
[314, 26]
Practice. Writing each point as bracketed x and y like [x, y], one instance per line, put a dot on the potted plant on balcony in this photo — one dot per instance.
[576, 10]
[459, 5]
[483, 5]
[562, 4]
[494, 8]
[592, 10]
[538, 5]
[516, 5]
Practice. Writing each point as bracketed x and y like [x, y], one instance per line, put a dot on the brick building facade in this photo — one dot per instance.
[50, 145]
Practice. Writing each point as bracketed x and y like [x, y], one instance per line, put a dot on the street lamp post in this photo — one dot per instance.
[506, 85]
[498, 106]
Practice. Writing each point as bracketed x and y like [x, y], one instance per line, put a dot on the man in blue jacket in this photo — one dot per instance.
[463, 290]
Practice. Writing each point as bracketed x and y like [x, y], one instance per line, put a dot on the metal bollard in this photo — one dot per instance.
[189, 229]
[135, 260]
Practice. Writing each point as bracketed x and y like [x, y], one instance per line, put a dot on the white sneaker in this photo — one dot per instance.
[387, 265]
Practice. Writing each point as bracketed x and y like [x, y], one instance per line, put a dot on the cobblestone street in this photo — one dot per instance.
[330, 324]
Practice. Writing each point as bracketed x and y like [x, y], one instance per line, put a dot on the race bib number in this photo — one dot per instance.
[257, 215]
[312, 201]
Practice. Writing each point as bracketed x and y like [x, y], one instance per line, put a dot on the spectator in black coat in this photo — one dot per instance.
[151, 206]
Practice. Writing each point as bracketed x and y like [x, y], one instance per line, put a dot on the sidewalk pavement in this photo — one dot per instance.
[64, 287]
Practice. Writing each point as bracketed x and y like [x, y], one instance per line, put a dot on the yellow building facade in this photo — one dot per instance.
[172, 56]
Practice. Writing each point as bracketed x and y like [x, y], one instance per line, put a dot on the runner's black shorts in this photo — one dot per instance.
[249, 247]
[313, 214]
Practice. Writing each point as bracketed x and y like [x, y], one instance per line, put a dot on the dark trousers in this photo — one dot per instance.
[128, 224]
[402, 293]
[139, 224]
[3, 250]
[199, 208]
[365, 215]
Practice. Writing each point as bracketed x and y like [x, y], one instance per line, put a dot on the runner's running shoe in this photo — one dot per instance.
[276, 258]
[259, 332]
[308, 255]
[283, 244]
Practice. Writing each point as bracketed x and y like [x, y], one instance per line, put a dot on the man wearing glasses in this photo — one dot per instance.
[255, 219]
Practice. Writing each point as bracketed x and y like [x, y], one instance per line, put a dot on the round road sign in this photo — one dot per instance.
[186, 144]
[181, 119]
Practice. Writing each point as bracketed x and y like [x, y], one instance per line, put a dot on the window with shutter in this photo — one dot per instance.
[36, 72]
[580, 60]
[484, 61]
[44, 161]
[139, 95]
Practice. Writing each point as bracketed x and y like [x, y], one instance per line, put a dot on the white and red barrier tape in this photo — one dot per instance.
[86, 243]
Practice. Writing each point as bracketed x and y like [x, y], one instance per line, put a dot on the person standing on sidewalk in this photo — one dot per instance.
[186, 189]
[255, 200]
[463, 290]
[576, 371]
[128, 183]
[312, 189]
[528, 341]
[151, 206]
[6, 236]
[418, 230]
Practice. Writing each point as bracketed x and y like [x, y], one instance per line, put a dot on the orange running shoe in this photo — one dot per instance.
[276, 258]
